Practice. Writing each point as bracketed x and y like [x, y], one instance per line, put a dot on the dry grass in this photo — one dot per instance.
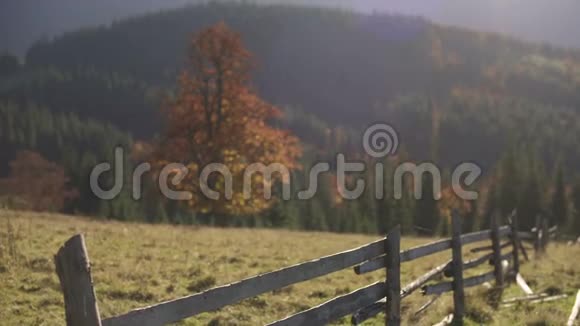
[135, 265]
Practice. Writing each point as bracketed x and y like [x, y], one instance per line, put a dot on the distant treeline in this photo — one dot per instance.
[453, 95]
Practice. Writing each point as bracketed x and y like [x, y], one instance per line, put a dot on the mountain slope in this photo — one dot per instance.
[345, 68]
[26, 21]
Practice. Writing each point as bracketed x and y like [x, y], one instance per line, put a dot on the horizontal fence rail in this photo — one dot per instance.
[445, 269]
[173, 311]
[362, 304]
[337, 307]
[428, 249]
[468, 282]
[488, 248]
[495, 234]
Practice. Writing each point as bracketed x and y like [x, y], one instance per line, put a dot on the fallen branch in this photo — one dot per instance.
[469, 264]
[446, 321]
[448, 286]
[575, 310]
[541, 300]
[379, 306]
[522, 283]
[525, 298]
[419, 282]
[427, 304]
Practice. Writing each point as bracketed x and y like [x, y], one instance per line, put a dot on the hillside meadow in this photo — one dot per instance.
[135, 265]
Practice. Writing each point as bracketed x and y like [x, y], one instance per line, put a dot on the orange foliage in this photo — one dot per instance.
[441, 56]
[217, 118]
[450, 201]
[41, 184]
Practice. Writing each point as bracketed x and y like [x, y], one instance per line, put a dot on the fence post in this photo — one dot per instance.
[73, 269]
[515, 241]
[495, 243]
[457, 264]
[545, 234]
[538, 234]
[393, 264]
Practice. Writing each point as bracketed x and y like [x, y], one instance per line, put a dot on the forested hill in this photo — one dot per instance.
[345, 68]
[453, 95]
[25, 21]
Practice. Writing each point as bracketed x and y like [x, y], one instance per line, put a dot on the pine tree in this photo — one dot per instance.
[559, 201]
[576, 203]
[510, 176]
[529, 206]
[490, 207]
[427, 210]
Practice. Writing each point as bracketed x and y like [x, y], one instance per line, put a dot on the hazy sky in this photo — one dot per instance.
[555, 21]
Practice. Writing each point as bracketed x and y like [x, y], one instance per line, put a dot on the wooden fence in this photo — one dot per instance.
[73, 268]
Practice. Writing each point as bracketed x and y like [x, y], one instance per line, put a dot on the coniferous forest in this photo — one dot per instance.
[315, 79]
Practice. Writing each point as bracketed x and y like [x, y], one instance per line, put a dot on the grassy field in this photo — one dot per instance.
[134, 265]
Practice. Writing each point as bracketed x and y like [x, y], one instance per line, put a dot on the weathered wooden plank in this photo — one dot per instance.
[526, 235]
[476, 236]
[175, 310]
[575, 311]
[74, 272]
[393, 262]
[457, 263]
[488, 248]
[374, 309]
[469, 264]
[538, 236]
[472, 263]
[337, 307]
[515, 241]
[368, 312]
[448, 286]
[495, 242]
[425, 250]
[545, 234]
[505, 231]
[377, 307]
[420, 281]
[446, 268]
[468, 238]
[406, 255]
[370, 266]
[428, 249]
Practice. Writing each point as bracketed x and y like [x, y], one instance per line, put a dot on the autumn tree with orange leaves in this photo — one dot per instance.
[42, 185]
[216, 117]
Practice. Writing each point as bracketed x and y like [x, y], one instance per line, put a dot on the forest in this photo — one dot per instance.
[324, 75]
